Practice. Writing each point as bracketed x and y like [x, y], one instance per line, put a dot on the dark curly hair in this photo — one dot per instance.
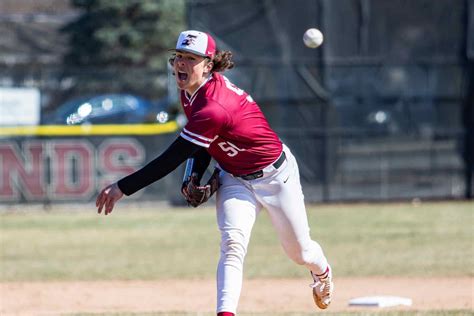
[222, 61]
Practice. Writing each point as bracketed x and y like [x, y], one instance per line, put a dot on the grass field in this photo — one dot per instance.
[360, 240]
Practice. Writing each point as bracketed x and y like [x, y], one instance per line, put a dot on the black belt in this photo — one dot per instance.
[258, 174]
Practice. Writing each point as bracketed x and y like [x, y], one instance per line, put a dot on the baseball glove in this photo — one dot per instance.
[196, 194]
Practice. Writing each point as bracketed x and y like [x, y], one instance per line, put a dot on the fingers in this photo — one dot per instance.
[103, 200]
[107, 198]
[184, 191]
[106, 203]
[99, 203]
[109, 205]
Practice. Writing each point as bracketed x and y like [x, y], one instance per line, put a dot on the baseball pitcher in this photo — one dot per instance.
[254, 170]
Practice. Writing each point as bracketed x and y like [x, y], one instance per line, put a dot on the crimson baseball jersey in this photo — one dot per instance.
[225, 120]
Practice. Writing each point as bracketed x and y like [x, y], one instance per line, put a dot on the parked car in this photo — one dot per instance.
[109, 109]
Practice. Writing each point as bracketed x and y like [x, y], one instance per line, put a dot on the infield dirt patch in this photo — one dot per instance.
[262, 295]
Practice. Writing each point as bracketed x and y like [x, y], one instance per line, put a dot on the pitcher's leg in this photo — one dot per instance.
[291, 225]
[236, 212]
[288, 215]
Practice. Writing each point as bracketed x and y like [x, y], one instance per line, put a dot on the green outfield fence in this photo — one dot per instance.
[382, 110]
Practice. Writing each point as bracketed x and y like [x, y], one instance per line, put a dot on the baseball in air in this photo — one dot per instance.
[312, 38]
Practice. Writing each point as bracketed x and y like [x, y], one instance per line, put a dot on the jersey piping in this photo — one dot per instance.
[201, 140]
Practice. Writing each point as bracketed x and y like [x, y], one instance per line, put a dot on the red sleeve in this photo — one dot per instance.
[204, 125]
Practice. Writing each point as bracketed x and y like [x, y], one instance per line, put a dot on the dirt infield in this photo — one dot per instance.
[263, 295]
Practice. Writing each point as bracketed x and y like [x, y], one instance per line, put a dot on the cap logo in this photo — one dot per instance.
[196, 42]
[189, 40]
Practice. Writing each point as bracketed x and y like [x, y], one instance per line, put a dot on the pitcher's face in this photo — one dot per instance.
[190, 70]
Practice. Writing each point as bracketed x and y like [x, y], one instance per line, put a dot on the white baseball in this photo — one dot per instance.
[312, 38]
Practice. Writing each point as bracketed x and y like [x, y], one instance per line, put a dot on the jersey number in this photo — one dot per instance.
[230, 148]
[236, 89]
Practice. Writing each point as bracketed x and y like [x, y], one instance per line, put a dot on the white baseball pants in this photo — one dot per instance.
[238, 203]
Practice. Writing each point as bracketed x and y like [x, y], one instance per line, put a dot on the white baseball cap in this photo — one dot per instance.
[196, 42]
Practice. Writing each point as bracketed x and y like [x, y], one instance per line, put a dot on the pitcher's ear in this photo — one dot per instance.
[171, 60]
[209, 66]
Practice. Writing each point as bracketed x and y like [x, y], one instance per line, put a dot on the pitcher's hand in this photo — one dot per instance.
[108, 197]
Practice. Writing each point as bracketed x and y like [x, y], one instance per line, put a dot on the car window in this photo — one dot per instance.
[111, 104]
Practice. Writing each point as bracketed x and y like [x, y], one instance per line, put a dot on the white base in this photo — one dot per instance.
[380, 301]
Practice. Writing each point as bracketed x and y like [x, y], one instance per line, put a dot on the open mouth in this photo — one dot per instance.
[182, 76]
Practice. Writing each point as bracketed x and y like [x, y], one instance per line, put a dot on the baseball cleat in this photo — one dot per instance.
[322, 288]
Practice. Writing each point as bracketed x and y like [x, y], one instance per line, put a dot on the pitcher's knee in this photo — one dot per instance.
[233, 246]
[302, 257]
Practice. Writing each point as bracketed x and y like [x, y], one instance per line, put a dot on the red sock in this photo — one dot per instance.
[225, 314]
[324, 274]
